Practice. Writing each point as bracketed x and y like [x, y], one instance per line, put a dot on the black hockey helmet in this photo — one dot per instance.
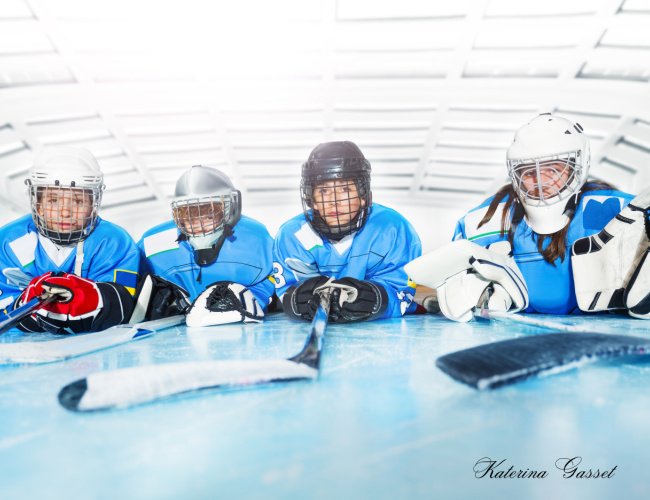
[334, 161]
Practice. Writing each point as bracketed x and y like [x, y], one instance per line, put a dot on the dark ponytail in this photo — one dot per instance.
[558, 245]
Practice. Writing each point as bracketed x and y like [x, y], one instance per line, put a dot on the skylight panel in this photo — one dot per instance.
[547, 8]
[14, 9]
[24, 37]
[404, 9]
[527, 34]
[628, 30]
[397, 35]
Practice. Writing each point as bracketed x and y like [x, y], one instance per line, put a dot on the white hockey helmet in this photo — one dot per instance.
[65, 190]
[548, 163]
[205, 202]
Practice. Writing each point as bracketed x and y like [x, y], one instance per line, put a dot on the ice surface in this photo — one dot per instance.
[381, 422]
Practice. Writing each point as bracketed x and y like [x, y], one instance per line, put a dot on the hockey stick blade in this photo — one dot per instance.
[17, 315]
[72, 345]
[132, 386]
[509, 361]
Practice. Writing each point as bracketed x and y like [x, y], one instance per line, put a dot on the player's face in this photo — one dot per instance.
[337, 202]
[65, 209]
[199, 219]
[551, 178]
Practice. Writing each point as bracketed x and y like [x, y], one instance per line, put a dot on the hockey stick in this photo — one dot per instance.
[509, 361]
[20, 313]
[72, 345]
[137, 385]
[483, 313]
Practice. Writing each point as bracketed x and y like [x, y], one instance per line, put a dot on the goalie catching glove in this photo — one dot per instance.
[351, 299]
[80, 305]
[611, 269]
[225, 302]
[466, 276]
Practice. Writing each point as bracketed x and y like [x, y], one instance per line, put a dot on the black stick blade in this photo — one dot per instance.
[72, 393]
[509, 361]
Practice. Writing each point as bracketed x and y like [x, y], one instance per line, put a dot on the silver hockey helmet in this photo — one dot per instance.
[335, 189]
[65, 191]
[205, 202]
[548, 163]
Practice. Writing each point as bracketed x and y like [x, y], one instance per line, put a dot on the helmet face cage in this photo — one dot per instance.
[64, 214]
[547, 180]
[337, 207]
[202, 216]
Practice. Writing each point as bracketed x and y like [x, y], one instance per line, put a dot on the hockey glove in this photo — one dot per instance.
[604, 264]
[462, 272]
[224, 302]
[79, 306]
[300, 302]
[159, 298]
[369, 301]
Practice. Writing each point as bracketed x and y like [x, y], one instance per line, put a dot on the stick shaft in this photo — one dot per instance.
[17, 315]
[69, 346]
[527, 320]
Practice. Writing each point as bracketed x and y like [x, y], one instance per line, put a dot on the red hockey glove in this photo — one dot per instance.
[78, 301]
[77, 298]
[34, 289]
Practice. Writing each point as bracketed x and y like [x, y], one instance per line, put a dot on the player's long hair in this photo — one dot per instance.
[558, 245]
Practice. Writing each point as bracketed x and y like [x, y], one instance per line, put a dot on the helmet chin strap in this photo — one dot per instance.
[207, 248]
[549, 219]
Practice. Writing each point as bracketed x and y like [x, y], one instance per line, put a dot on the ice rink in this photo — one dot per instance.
[381, 422]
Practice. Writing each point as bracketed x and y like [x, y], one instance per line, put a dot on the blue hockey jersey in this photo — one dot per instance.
[377, 253]
[550, 286]
[109, 254]
[245, 258]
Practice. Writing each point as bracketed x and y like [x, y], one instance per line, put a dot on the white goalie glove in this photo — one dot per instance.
[611, 269]
[466, 276]
[225, 302]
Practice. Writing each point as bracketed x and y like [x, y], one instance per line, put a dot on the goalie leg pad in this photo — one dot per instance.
[224, 302]
[604, 263]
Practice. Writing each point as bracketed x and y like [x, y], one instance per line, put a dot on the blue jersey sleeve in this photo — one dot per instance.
[264, 288]
[404, 246]
[292, 262]
[115, 258]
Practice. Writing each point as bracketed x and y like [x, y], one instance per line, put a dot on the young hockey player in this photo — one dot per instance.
[344, 239]
[65, 249]
[513, 252]
[219, 259]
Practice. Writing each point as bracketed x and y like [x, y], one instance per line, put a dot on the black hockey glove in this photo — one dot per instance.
[370, 303]
[158, 298]
[299, 302]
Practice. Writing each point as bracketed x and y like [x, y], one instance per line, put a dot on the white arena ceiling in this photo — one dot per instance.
[431, 91]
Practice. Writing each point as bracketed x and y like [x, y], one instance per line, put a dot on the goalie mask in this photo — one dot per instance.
[206, 207]
[335, 189]
[65, 190]
[548, 163]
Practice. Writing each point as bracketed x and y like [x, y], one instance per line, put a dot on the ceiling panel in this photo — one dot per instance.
[431, 91]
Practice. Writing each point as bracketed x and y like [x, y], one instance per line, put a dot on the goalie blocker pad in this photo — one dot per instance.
[224, 302]
[605, 263]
